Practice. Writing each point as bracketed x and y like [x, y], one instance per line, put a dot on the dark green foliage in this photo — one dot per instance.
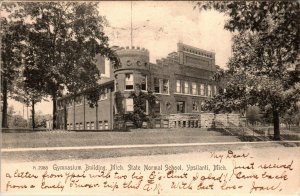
[265, 51]
[93, 96]
[253, 115]
[61, 40]
[12, 34]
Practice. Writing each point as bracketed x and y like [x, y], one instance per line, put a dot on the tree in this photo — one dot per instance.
[265, 49]
[40, 120]
[63, 39]
[291, 117]
[15, 120]
[23, 90]
[12, 34]
[253, 114]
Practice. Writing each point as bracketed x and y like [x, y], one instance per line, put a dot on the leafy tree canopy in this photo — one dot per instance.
[265, 53]
[61, 42]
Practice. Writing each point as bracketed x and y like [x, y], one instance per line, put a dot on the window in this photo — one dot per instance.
[165, 86]
[161, 86]
[194, 88]
[202, 92]
[195, 106]
[156, 85]
[209, 90]
[129, 104]
[87, 125]
[100, 125]
[103, 95]
[178, 86]
[105, 124]
[77, 126]
[78, 100]
[144, 83]
[129, 81]
[180, 106]
[107, 67]
[186, 87]
[81, 126]
[144, 107]
[92, 127]
[156, 108]
[201, 105]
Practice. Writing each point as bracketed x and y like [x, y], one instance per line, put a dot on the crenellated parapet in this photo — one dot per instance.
[133, 58]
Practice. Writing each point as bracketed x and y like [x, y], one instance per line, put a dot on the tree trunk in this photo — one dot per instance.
[97, 122]
[65, 116]
[276, 125]
[54, 111]
[4, 107]
[32, 114]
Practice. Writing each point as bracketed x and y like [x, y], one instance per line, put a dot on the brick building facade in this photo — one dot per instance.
[181, 82]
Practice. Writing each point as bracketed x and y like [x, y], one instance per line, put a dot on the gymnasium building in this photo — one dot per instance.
[181, 82]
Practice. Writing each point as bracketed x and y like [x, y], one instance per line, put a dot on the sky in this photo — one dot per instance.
[158, 27]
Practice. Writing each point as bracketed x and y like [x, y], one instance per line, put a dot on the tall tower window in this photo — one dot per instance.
[129, 104]
[129, 81]
[156, 85]
[178, 86]
[209, 90]
[144, 83]
[165, 86]
[194, 88]
[202, 92]
[186, 87]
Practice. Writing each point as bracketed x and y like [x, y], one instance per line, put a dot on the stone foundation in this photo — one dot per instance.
[203, 120]
[187, 120]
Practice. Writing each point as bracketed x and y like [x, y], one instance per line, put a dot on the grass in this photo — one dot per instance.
[290, 137]
[33, 156]
[151, 136]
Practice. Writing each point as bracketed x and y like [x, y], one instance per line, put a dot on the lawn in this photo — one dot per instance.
[83, 154]
[78, 139]
[68, 139]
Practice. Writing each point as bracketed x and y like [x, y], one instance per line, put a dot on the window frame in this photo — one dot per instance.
[178, 87]
[126, 82]
[196, 103]
[168, 86]
[145, 77]
[209, 90]
[186, 88]
[154, 84]
[126, 104]
[194, 88]
[202, 90]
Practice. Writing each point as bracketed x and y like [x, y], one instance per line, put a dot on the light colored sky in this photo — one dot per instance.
[158, 27]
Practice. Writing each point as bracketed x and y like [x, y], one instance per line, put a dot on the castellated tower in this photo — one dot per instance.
[133, 73]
